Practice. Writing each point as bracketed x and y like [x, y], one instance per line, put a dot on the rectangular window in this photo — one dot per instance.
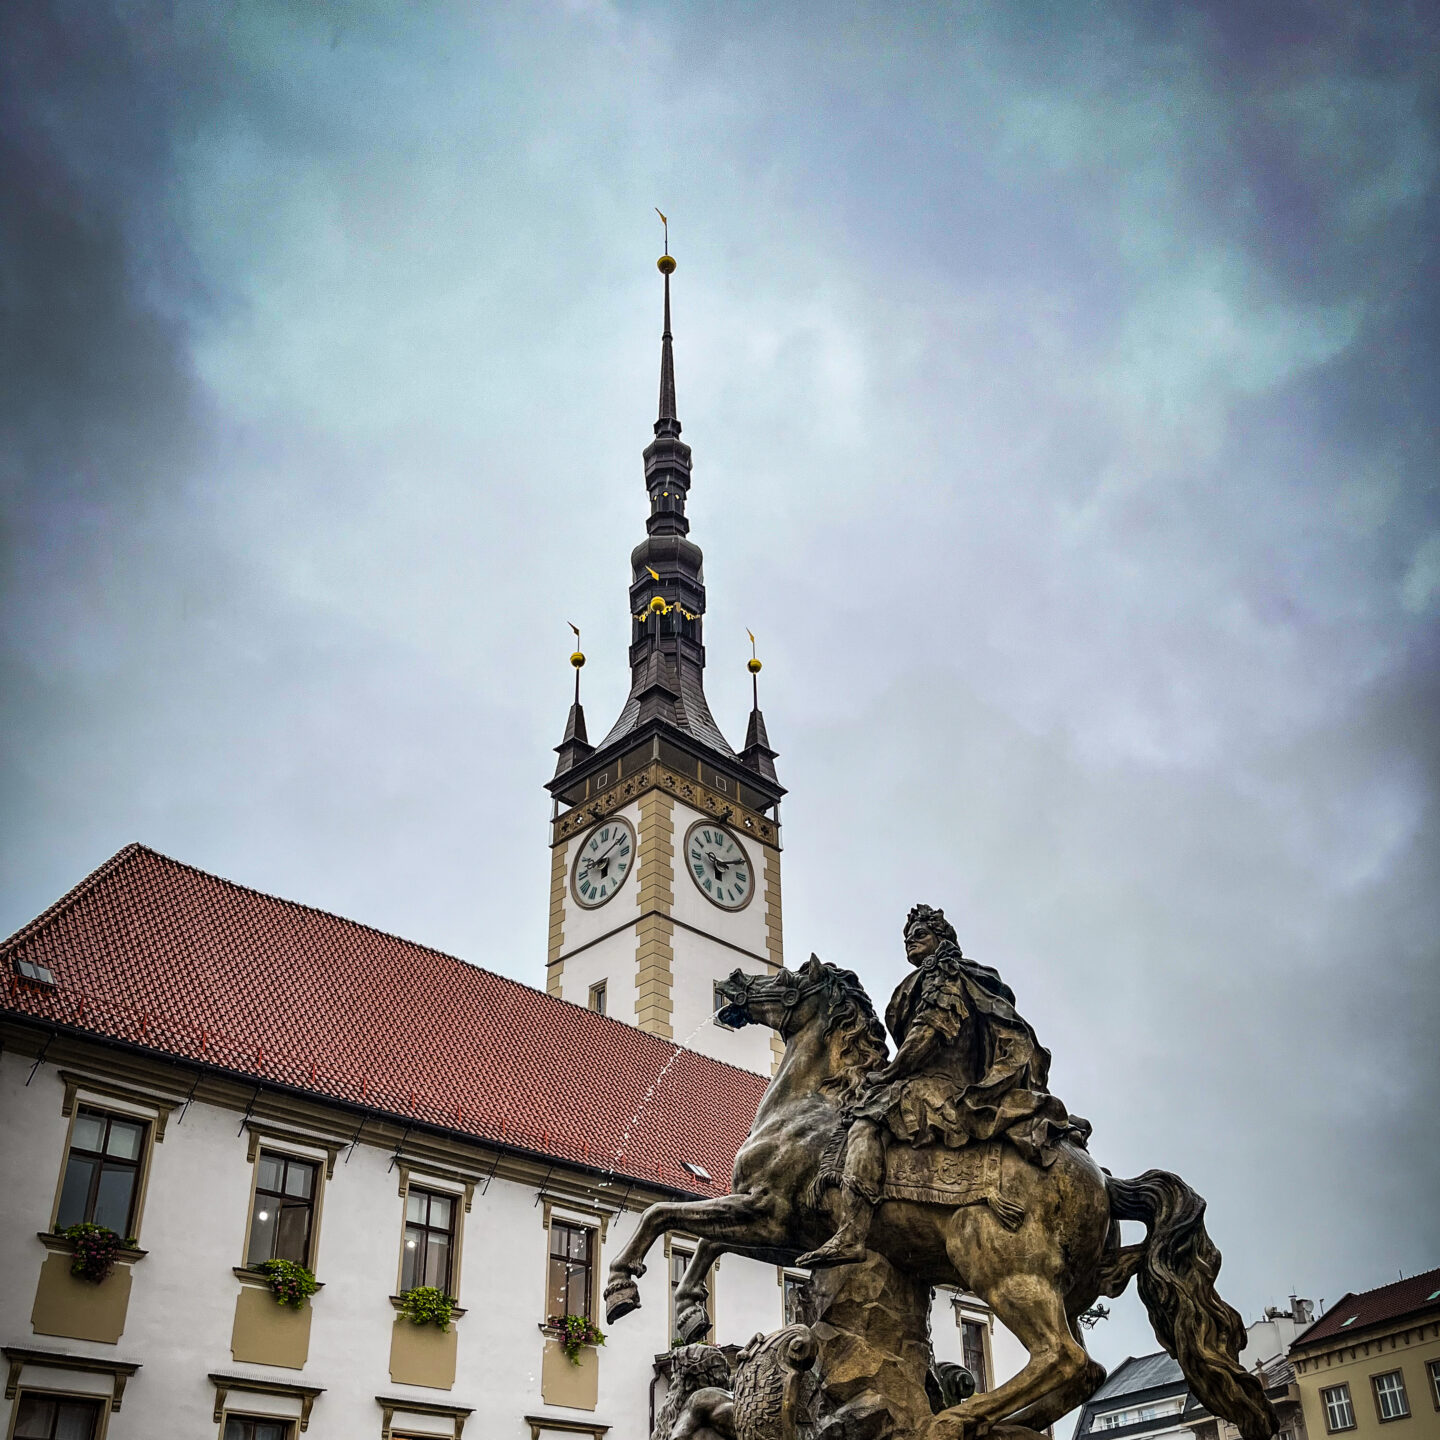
[1339, 1413]
[56, 1417]
[718, 1001]
[680, 1259]
[254, 1427]
[795, 1298]
[102, 1171]
[571, 1271]
[972, 1352]
[597, 998]
[429, 1240]
[1391, 1401]
[1432, 1368]
[284, 1209]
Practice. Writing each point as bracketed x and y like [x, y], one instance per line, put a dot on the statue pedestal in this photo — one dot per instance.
[873, 1326]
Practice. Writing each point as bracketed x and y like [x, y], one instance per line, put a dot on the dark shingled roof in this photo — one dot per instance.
[1148, 1372]
[160, 955]
[1420, 1294]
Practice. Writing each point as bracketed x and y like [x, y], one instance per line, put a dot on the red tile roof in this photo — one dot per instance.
[159, 954]
[1417, 1295]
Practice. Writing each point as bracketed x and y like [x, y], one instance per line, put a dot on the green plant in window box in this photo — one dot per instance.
[290, 1284]
[96, 1249]
[427, 1305]
[576, 1332]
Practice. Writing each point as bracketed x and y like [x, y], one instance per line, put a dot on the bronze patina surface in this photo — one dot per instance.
[950, 1164]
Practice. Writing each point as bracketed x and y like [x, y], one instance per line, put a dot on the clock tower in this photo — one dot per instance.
[665, 842]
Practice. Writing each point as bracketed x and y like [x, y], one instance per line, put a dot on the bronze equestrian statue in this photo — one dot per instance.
[968, 1069]
[954, 1163]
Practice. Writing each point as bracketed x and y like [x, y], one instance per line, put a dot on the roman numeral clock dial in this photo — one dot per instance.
[719, 866]
[607, 855]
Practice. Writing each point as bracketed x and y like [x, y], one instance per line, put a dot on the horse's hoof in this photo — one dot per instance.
[693, 1325]
[621, 1297]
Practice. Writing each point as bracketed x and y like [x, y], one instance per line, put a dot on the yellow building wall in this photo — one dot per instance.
[1407, 1351]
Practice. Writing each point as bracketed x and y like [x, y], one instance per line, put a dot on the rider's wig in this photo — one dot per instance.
[934, 921]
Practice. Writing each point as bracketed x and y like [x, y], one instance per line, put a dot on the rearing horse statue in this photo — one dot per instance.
[1039, 1245]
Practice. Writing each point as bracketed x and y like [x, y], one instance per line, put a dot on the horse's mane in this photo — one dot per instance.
[852, 1020]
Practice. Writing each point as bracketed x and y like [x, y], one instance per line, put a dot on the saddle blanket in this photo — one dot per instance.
[938, 1175]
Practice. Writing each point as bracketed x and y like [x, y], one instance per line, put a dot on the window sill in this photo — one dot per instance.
[399, 1304]
[59, 1245]
[244, 1272]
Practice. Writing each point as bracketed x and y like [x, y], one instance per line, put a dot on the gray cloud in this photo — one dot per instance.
[1063, 394]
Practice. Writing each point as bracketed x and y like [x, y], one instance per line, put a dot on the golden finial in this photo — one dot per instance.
[665, 264]
[576, 659]
[752, 664]
[657, 604]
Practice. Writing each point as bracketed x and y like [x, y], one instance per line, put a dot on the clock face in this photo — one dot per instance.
[607, 856]
[719, 865]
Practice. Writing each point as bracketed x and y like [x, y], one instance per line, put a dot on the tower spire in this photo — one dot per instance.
[575, 746]
[667, 357]
[757, 754]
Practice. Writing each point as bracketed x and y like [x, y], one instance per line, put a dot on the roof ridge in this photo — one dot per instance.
[136, 848]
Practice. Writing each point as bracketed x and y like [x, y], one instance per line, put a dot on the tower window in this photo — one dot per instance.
[718, 1001]
[598, 997]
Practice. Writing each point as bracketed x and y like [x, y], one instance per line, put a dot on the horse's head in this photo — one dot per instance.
[791, 1000]
[765, 999]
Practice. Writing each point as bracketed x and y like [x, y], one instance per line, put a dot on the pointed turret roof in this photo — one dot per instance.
[667, 606]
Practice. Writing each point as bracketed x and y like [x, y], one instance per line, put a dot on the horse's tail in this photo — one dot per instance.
[1178, 1264]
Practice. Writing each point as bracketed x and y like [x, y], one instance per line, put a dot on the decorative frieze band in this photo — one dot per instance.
[691, 791]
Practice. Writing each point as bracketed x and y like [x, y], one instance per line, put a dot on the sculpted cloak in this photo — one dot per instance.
[986, 1075]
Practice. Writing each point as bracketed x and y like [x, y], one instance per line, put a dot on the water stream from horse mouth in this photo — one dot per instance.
[680, 1045]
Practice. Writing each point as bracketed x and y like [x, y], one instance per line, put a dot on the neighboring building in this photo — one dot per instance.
[1371, 1363]
[223, 1077]
[1149, 1397]
[1145, 1396]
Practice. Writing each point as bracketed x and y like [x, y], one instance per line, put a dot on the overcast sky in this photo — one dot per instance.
[1062, 387]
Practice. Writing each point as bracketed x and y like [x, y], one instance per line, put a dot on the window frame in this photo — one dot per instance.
[248, 1418]
[592, 1265]
[261, 1150]
[600, 991]
[103, 1406]
[85, 1107]
[786, 1278]
[452, 1232]
[1404, 1392]
[717, 1004]
[982, 1334]
[1432, 1373]
[686, 1246]
[1341, 1387]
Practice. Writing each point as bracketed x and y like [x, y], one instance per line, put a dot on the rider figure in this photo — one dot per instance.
[968, 1069]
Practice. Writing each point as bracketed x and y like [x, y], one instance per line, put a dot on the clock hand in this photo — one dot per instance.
[593, 861]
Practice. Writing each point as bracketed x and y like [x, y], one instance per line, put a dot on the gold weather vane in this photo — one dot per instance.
[666, 224]
[754, 667]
